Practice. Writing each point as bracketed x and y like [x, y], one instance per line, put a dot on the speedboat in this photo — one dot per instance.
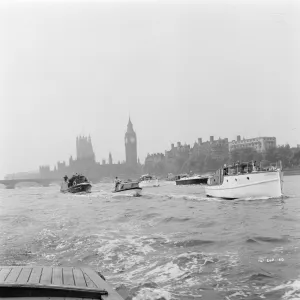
[76, 184]
[125, 187]
[41, 282]
[148, 181]
[196, 179]
[246, 180]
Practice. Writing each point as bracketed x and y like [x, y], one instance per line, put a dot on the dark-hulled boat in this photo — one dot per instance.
[76, 184]
[197, 179]
[41, 282]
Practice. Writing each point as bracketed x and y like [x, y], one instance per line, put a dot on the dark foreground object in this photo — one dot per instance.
[41, 282]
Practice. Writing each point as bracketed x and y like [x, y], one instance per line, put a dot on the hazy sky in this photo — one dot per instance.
[182, 69]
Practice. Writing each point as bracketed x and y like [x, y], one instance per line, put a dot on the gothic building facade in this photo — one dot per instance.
[86, 163]
[84, 148]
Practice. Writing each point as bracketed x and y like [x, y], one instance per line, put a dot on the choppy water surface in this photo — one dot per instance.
[171, 243]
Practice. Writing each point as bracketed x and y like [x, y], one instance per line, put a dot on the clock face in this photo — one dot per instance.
[132, 140]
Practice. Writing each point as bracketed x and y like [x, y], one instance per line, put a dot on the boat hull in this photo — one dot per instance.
[79, 188]
[130, 190]
[128, 187]
[250, 185]
[149, 183]
[188, 181]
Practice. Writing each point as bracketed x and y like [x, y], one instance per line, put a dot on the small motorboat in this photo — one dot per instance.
[46, 282]
[126, 187]
[246, 180]
[196, 179]
[76, 184]
[148, 181]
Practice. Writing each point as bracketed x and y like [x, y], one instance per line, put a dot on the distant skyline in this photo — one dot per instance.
[181, 69]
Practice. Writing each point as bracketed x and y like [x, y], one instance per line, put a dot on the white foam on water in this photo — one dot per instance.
[152, 294]
[48, 256]
[139, 274]
[255, 198]
[164, 273]
[124, 253]
[190, 282]
[292, 287]
[238, 293]
[188, 254]
[62, 246]
[186, 197]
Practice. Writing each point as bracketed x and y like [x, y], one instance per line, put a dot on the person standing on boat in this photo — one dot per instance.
[65, 184]
[254, 166]
[117, 182]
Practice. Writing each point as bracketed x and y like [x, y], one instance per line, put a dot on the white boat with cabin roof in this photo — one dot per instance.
[126, 187]
[148, 181]
[246, 180]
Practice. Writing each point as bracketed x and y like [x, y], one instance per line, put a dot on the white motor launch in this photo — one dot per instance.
[148, 181]
[246, 180]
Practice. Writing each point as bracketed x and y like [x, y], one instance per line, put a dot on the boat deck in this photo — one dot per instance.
[54, 282]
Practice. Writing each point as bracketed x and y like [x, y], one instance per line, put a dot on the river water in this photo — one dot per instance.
[170, 243]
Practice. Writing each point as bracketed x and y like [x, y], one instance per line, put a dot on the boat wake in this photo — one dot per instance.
[291, 290]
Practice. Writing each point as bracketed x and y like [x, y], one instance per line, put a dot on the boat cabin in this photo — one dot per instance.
[123, 186]
[177, 177]
[248, 167]
[77, 179]
[240, 169]
[146, 177]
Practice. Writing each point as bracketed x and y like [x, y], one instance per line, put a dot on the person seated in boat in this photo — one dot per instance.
[250, 167]
[238, 168]
[72, 180]
[243, 168]
[258, 166]
[233, 169]
[225, 171]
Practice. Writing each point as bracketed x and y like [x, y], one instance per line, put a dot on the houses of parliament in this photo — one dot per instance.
[86, 163]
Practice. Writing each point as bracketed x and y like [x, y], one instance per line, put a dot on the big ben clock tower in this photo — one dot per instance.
[130, 146]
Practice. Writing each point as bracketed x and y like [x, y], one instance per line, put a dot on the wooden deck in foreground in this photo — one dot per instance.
[40, 282]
